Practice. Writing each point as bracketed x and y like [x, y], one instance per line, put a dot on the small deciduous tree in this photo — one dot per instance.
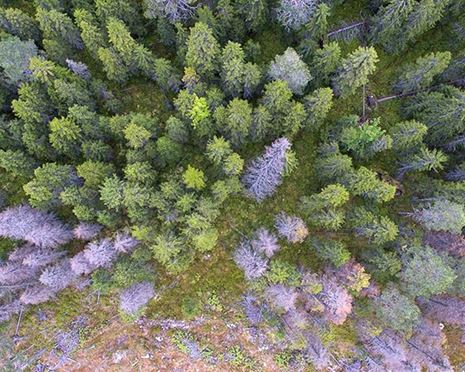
[291, 68]
[264, 174]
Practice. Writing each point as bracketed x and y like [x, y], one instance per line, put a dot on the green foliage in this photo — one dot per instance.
[194, 178]
[366, 139]
[397, 311]
[355, 69]
[425, 273]
[282, 272]
[191, 307]
[202, 50]
[14, 58]
[333, 251]
[49, 181]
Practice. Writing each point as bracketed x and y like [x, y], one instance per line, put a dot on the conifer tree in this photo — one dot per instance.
[264, 174]
[18, 23]
[289, 67]
[355, 69]
[420, 75]
[203, 50]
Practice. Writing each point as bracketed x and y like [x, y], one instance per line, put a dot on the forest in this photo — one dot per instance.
[231, 185]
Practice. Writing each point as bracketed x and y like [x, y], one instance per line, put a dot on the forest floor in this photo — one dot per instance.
[206, 298]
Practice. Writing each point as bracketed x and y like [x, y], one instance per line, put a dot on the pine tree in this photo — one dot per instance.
[15, 56]
[254, 12]
[33, 225]
[289, 67]
[49, 181]
[282, 297]
[37, 295]
[443, 112]
[420, 75]
[91, 34]
[336, 300]
[264, 174]
[377, 229]
[325, 62]
[388, 22]
[232, 68]
[113, 65]
[100, 253]
[86, 231]
[80, 265]
[355, 69]
[58, 27]
[79, 68]
[287, 116]
[58, 276]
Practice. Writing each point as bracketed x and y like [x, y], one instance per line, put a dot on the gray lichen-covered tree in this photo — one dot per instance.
[135, 297]
[253, 263]
[291, 228]
[264, 174]
[289, 67]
